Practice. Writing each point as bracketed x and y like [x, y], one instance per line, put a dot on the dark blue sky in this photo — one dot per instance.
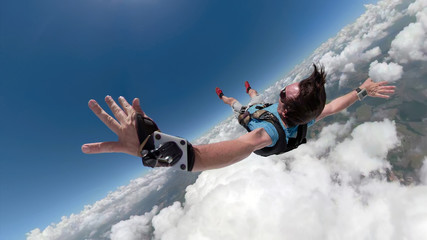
[56, 55]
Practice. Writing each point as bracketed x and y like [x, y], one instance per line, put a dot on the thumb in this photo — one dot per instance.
[101, 147]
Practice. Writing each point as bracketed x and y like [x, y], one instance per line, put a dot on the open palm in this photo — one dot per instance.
[124, 125]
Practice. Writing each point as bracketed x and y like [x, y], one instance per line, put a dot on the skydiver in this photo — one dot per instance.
[272, 128]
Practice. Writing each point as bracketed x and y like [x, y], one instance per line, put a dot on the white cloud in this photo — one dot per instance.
[135, 228]
[94, 219]
[353, 53]
[349, 67]
[354, 44]
[411, 43]
[367, 149]
[314, 192]
[417, 6]
[390, 72]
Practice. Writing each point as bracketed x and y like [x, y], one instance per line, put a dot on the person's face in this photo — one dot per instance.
[289, 92]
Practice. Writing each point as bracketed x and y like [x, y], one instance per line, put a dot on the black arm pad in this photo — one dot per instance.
[145, 127]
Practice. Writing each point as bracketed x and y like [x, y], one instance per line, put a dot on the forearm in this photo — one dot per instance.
[222, 154]
[338, 104]
[343, 102]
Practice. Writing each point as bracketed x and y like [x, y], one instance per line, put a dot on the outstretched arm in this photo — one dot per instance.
[380, 90]
[222, 154]
[210, 156]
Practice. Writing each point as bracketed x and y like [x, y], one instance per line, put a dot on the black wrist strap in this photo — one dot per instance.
[145, 127]
[361, 93]
[191, 156]
[158, 153]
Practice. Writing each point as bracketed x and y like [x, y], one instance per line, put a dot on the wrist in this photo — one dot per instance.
[361, 93]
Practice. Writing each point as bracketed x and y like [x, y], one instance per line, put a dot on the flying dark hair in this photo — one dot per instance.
[310, 101]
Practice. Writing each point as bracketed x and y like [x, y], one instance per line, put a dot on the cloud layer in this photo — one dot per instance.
[94, 220]
[334, 187]
[323, 190]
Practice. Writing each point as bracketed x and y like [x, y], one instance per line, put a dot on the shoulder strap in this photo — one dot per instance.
[244, 116]
[244, 119]
[299, 139]
[281, 145]
[263, 106]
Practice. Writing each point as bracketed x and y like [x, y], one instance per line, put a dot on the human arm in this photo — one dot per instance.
[208, 156]
[379, 90]
[222, 154]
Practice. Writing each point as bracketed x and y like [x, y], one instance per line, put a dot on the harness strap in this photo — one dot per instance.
[281, 146]
[244, 119]
[299, 139]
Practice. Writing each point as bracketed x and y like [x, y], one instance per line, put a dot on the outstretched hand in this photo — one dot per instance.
[378, 89]
[124, 126]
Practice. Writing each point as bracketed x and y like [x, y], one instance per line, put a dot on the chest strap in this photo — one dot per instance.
[245, 117]
[282, 145]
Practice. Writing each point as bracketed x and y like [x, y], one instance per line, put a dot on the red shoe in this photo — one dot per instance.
[247, 86]
[219, 92]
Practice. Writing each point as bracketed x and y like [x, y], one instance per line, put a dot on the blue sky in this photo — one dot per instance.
[56, 55]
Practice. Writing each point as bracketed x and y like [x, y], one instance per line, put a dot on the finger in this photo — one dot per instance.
[101, 147]
[382, 83]
[117, 111]
[388, 87]
[125, 105]
[137, 107]
[381, 95]
[109, 121]
[386, 91]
